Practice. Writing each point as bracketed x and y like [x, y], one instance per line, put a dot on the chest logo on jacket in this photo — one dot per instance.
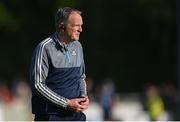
[73, 52]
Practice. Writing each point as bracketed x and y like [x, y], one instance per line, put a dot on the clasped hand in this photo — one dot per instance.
[78, 104]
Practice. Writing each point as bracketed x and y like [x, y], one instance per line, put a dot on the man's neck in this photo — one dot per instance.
[63, 39]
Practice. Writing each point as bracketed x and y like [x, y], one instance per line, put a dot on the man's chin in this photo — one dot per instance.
[76, 39]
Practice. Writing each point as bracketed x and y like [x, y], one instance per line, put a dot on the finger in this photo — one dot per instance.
[80, 99]
[82, 106]
[80, 109]
[87, 99]
[85, 103]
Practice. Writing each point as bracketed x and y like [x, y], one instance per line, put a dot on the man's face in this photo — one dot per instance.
[74, 26]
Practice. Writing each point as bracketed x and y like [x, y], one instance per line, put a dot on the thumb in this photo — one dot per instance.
[80, 99]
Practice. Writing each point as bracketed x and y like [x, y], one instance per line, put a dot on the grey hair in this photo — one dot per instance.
[63, 14]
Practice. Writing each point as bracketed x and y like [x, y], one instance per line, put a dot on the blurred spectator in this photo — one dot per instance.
[106, 98]
[90, 89]
[170, 100]
[5, 95]
[19, 109]
[6, 99]
[153, 103]
[90, 85]
[21, 91]
[94, 111]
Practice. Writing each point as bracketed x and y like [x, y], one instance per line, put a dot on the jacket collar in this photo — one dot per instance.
[63, 48]
[55, 35]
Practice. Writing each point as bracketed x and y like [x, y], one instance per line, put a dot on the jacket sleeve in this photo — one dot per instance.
[39, 72]
[83, 76]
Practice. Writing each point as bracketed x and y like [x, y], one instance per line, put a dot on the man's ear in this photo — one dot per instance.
[62, 26]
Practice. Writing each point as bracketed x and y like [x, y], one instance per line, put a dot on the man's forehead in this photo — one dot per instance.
[74, 15]
[75, 18]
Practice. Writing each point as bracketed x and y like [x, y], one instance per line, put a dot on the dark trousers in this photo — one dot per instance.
[56, 117]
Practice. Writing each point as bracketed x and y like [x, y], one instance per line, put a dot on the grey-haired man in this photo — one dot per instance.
[58, 72]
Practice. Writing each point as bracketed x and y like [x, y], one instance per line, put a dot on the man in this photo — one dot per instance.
[58, 73]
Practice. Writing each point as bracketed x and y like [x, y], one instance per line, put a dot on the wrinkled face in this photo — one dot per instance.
[74, 26]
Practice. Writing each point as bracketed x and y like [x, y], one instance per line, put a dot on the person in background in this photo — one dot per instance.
[153, 103]
[107, 98]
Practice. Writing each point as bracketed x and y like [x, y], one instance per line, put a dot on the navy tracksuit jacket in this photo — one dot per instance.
[57, 74]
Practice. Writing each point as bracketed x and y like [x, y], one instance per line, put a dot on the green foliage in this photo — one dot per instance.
[6, 17]
[7, 20]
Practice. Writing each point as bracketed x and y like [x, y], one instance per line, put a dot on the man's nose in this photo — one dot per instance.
[80, 29]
